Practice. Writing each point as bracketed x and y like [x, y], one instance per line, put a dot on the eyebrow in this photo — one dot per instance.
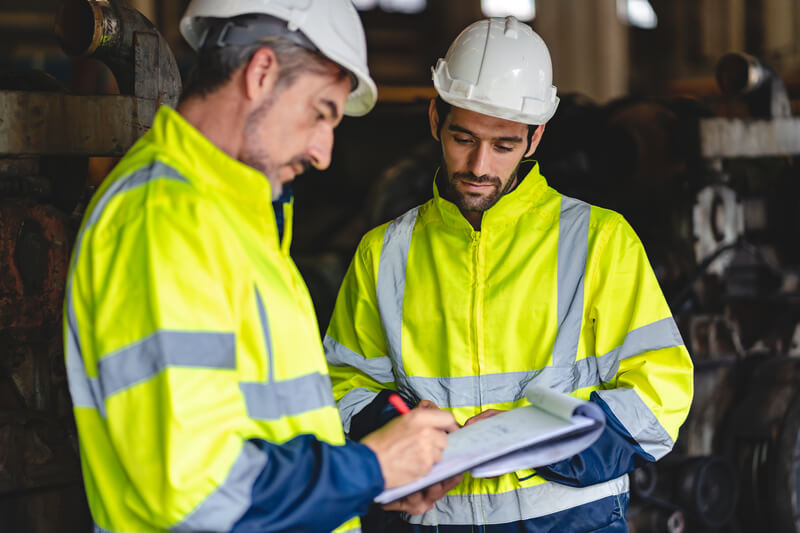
[333, 108]
[460, 129]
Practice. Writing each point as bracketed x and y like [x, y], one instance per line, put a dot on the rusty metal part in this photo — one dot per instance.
[39, 123]
[43, 134]
[37, 438]
[126, 41]
[33, 124]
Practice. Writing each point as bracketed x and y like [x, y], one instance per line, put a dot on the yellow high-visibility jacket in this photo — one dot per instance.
[551, 291]
[200, 389]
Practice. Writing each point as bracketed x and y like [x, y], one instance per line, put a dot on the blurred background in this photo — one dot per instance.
[680, 114]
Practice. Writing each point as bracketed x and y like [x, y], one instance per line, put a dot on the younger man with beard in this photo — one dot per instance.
[499, 282]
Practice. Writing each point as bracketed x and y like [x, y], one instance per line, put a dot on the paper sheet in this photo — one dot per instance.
[535, 435]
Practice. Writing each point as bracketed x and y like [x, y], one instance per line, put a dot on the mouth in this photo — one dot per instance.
[476, 186]
[299, 166]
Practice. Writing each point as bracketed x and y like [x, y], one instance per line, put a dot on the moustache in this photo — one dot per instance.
[469, 176]
[304, 163]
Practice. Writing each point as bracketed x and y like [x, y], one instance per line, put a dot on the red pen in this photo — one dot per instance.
[398, 403]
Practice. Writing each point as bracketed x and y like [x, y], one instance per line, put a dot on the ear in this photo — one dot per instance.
[535, 139]
[433, 117]
[261, 74]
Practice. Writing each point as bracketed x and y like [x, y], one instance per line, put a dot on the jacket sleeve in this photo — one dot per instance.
[163, 327]
[645, 370]
[355, 346]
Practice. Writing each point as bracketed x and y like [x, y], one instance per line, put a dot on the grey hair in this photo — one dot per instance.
[215, 65]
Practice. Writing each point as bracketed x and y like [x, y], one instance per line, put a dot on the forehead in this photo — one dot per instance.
[485, 125]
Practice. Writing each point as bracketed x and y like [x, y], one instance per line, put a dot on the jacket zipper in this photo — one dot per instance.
[477, 339]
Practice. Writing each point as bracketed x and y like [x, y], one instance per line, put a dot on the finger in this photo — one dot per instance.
[427, 404]
[452, 482]
[435, 417]
[438, 490]
[434, 492]
[415, 503]
[486, 414]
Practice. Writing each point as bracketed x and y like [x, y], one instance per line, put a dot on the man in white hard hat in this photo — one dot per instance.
[201, 394]
[500, 282]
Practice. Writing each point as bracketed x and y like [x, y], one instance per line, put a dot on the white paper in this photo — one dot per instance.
[535, 435]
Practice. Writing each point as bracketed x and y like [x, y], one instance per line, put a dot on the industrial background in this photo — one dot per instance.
[681, 114]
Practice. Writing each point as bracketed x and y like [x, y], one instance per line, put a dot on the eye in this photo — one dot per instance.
[503, 148]
[462, 140]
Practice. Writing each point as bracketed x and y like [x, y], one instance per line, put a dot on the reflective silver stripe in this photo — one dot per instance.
[227, 504]
[164, 349]
[353, 402]
[592, 371]
[262, 315]
[461, 391]
[85, 391]
[510, 386]
[143, 360]
[639, 420]
[513, 506]
[223, 507]
[153, 171]
[378, 368]
[271, 401]
[573, 247]
[391, 283]
[655, 336]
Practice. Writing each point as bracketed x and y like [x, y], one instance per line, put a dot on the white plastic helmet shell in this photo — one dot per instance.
[499, 67]
[332, 25]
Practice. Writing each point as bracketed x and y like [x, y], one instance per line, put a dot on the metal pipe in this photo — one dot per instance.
[740, 74]
[123, 39]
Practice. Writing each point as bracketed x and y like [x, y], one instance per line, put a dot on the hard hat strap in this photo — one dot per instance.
[252, 30]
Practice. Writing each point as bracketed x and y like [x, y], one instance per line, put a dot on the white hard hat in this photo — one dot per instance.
[499, 67]
[332, 26]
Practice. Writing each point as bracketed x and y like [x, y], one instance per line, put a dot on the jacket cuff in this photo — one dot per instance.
[375, 415]
[615, 453]
[310, 485]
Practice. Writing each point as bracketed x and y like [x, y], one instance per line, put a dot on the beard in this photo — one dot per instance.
[473, 201]
[254, 154]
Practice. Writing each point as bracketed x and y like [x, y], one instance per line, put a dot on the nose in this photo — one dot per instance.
[320, 146]
[479, 159]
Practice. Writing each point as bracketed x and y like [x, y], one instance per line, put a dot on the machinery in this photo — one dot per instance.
[714, 197]
[47, 137]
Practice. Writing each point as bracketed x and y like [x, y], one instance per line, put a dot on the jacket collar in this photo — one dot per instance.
[212, 169]
[507, 210]
[209, 166]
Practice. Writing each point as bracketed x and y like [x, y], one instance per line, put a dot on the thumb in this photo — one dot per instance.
[427, 404]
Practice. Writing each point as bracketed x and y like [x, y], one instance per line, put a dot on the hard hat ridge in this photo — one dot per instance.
[499, 67]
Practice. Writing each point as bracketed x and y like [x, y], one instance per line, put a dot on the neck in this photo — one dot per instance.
[220, 116]
[473, 217]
